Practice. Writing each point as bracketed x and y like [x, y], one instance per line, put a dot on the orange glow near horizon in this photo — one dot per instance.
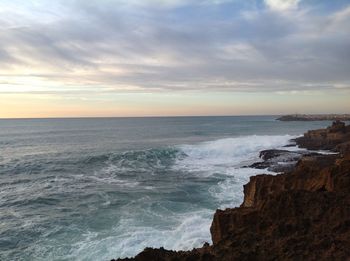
[179, 104]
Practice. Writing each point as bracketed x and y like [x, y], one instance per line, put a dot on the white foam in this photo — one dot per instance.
[128, 239]
[219, 161]
[222, 155]
[229, 192]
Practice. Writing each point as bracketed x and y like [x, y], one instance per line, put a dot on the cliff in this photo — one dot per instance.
[315, 117]
[301, 214]
[326, 139]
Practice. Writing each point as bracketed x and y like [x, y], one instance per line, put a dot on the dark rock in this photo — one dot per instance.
[325, 139]
[269, 154]
[289, 145]
[343, 148]
[337, 126]
[280, 160]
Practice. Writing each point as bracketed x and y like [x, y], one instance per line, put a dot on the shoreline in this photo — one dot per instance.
[301, 213]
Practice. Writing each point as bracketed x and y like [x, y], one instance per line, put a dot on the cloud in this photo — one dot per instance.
[282, 5]
[117, 46]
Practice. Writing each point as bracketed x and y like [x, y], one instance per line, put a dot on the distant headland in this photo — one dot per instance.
[315, 117]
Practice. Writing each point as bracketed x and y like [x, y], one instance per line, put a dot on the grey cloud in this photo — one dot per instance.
[6, 58]
[158, 52]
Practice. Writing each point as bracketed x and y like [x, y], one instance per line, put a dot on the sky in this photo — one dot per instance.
[92, 58]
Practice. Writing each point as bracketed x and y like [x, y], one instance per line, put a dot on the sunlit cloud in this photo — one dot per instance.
[282, 5]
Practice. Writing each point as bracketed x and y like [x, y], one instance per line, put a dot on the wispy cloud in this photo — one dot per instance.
[174, 45]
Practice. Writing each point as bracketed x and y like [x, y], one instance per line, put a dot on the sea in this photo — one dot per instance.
[103, 188]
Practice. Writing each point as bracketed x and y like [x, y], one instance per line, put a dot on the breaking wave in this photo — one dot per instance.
[115, 204]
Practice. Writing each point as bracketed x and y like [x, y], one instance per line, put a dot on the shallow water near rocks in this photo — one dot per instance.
[96, 189]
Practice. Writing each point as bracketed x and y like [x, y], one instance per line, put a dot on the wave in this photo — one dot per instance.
[228, 151]
[223, 154]
[214, 166]
[135, 199]
[156, 158]
[225, 159]
[130, 238]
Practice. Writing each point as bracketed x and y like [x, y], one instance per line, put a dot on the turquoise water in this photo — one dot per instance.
[96, 189]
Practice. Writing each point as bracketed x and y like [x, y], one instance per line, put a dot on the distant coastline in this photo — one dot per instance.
[315, 117]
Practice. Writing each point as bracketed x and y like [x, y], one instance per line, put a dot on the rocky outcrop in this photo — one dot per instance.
[325, 139]
[161, 254]
[303, 214]
[291, 225]
[300, 215]
[343, 148]
[311, 173]
[280, 160]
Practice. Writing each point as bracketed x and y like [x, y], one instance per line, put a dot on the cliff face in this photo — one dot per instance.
[300, 215]
[289, 219]
[303, 214]
[325, 139]
[311, 174]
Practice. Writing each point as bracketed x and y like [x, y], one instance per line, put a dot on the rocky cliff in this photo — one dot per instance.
[302, 214]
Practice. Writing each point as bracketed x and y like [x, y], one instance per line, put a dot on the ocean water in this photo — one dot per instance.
[96, 189]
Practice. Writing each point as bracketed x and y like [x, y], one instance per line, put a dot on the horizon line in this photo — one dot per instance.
[163, 116]
[146, 116]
